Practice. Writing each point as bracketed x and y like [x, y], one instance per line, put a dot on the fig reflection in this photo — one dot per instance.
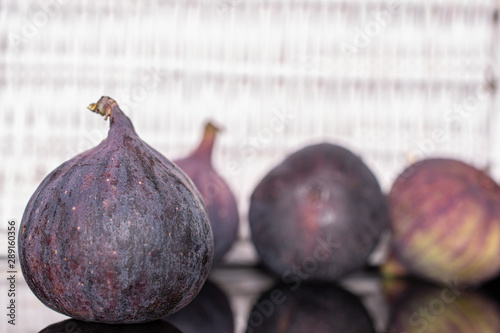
[77, 326]
[210, 311]
[433, 309]
[310, 308]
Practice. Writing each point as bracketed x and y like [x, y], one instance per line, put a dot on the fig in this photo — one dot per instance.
[321, 308]
[117, 234]
[210, 311]
[432, 309]
[445, 217]
[318, 215]
[77, 326]
[217, 196]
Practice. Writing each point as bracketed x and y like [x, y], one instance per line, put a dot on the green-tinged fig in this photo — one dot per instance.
[210, 311]
[117, 234]
[77, 326]
[319, 308]
[218, 197]
[433, 309]
[445, 219]
[318, 215]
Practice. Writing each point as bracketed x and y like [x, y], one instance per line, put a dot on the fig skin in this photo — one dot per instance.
[319, 308]
[318, 215]
[218, 198]
[210, 311]
[445, 218]
[117, 234]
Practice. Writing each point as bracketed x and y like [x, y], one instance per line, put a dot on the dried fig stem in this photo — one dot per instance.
[103, 106]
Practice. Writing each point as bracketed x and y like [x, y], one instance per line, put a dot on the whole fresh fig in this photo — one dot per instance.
[218, 197]
[117, 234]
[319, 308]
[445, 219]
[318, 215]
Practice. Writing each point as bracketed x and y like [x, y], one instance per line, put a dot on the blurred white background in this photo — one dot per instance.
[395, 81]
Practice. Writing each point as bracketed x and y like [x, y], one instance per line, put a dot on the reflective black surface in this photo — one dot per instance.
[248, 299]
[76, 326]
[421, 307]
[210, 311]
[317, 308]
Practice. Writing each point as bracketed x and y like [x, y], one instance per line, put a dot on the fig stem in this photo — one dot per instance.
[207, 143]
[103, 106]
[211, 128]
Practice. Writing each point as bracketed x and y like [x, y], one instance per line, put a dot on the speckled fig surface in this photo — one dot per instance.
[117, 234]
[218, 198]
[445, 217]
[318, 215]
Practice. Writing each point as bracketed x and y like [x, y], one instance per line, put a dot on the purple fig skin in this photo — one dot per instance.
[218, 198]
[318, 215]
[117, 234]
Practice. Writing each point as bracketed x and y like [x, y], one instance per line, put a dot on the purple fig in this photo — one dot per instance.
[218, 197]
[117, 234]
[318, 215]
